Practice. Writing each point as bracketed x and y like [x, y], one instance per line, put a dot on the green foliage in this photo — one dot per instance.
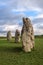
[12, 54]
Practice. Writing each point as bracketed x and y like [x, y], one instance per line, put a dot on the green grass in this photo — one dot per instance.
[12, 54]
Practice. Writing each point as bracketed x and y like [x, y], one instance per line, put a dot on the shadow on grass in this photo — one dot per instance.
[11, 49]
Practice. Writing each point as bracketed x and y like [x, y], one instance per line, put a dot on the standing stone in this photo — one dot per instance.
[32, 38]
[17, 36]
[27, 35]
[9, 36]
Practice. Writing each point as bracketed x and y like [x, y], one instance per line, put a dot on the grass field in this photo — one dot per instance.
[12, 54]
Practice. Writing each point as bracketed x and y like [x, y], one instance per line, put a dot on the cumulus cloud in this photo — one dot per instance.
[22, 5]
[39, 16]
[12, 28]
[12, 11]
[38, 26]
[38, 29]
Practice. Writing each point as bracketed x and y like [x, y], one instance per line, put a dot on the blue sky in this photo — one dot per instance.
[12, 12]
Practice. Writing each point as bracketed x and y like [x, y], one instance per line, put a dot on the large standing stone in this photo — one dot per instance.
[17, 36]
[27, 35]
[9, 36]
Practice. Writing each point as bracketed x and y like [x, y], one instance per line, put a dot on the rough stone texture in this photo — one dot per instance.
[17, 36]
[9, 36]
[27, 35]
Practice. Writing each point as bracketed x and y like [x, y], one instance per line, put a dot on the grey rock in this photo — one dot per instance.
[27, 35]
[17, 36]
[9, 36]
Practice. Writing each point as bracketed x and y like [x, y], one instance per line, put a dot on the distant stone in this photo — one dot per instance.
[17, 36]
[27, 35]
[9, 36]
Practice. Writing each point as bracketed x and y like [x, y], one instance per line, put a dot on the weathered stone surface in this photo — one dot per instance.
[9, 36]
[27, 35]
[17, 36]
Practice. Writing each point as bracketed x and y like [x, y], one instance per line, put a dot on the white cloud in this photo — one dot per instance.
[23, 5]
[9, 15]
[11, 27]
[38, 28]
[39, 16]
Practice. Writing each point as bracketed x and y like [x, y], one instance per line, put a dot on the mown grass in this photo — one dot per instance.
[12, 54]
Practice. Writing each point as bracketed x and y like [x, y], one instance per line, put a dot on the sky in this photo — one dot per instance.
[12, 12]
